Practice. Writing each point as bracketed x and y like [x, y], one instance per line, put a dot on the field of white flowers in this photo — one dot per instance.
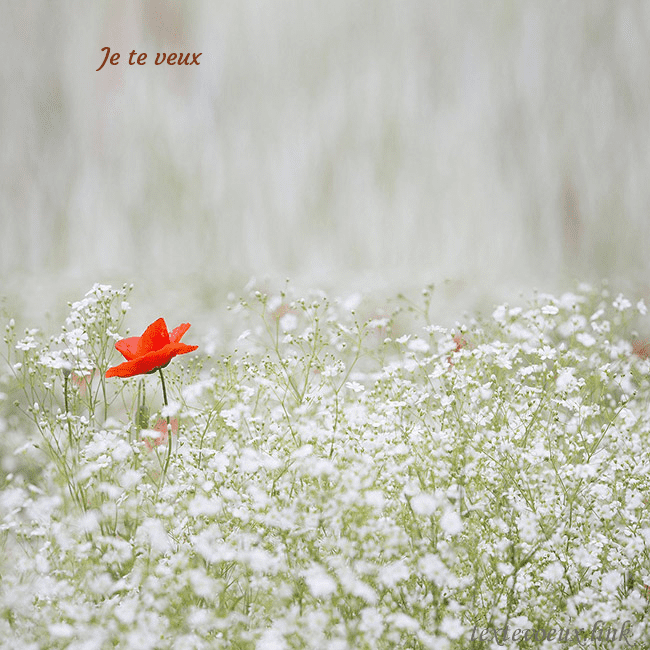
[330, 475]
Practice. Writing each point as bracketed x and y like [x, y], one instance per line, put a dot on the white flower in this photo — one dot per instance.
[566, 381]
[170, 410]
[333, 369]
[250, 461]
[505, 568]
[621, 303]
[431, 329]
[553, 572]
[55, 360]
[271, 640]
[451, 522]
[499, 314]
[528, 526]
[404, 622]
[643, 310]
[418, 345]
[378, 323]
[194, 391]
[584, 558]
[352, 302]
[152, 532]
[28, 343]
[61, 630]
[550, 310]
[354, 386]
[393, 573]
[288, 322]
[372, 622]
[586, 339]
[611, 581]
[375, 499]
[424, 504]
[320, 583]
[452, 627]
[434, 569]
[547, 352]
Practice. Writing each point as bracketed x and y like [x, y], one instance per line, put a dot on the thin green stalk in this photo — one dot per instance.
[66, 374]
[169, 431]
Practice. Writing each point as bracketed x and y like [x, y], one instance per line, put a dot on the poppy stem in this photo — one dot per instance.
[169, 431]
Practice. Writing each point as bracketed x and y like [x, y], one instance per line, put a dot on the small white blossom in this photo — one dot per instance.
[424, 504]
[28, 343]
[547, 352]
[451, 523]
[586, 339]
[452, 627]
[621, 303]
[499, 314]
[271, 640]
[553, 572]
[418, 345]
[170, 410]
[288, 322]
[319, 582]
[391, 574]
[404, 622]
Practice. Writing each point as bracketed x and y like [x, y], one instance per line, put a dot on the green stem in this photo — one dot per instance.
[103, 382]
[169, 430]
[67, 408]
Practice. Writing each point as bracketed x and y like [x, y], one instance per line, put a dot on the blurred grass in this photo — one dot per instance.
[501, 145]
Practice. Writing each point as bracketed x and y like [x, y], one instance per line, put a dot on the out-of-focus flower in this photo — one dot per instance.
[641, 348]
[461, 342]
[621, 303]
[161, 427]
[151, 351]
[82, 382]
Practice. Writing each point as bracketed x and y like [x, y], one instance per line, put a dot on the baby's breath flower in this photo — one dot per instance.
[320, 583]
[27, 343]
[586, 339]
[499, 314]
[288, 322]
[418, 345]
[621, 303]
[451, 523]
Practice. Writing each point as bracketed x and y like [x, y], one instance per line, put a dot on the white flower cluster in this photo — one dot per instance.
[340, 483]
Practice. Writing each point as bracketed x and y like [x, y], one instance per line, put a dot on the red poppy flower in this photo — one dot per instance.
[151, 351]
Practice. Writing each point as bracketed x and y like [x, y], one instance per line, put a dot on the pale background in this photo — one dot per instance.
[483, 146]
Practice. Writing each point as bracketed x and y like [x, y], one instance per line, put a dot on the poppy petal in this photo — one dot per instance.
[150, 361]
[128, 347]
[161, 425]
[155, 337]
[177, 333]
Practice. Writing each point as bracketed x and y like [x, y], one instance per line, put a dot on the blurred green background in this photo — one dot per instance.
[494, 145]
